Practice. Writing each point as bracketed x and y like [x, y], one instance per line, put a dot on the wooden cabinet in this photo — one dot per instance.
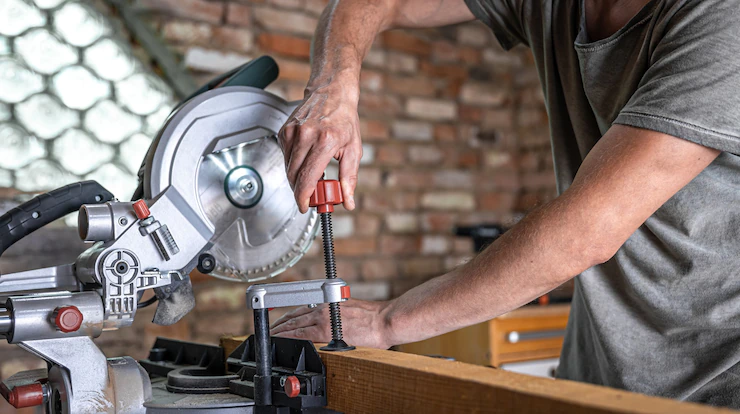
[526, 334]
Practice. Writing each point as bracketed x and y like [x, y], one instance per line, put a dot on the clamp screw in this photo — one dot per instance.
[327, 194]
[68, 318]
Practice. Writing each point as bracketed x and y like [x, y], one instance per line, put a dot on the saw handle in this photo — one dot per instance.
[41, 210]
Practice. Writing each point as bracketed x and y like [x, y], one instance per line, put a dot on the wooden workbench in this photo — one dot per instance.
[372, 381]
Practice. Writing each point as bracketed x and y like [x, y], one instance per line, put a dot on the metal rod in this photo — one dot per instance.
[263, 358]
[6, 321]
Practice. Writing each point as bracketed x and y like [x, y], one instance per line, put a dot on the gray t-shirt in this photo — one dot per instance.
[662, 316]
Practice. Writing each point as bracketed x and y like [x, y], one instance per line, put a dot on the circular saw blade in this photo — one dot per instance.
[244, 192]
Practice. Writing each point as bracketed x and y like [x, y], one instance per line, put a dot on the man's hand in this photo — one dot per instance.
[323, 127]
[367, 328]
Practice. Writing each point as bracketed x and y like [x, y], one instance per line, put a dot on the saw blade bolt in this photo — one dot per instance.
[327, 194]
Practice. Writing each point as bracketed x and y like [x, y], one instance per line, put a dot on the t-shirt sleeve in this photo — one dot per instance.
[503, 17]
[691, 89]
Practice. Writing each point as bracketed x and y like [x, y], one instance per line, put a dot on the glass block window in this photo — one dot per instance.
[75, 103]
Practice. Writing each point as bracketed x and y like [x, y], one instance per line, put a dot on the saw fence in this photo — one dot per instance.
[372, 381]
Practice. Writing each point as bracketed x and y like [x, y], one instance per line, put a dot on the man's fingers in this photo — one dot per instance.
[302, 321]
[349, 166]
[312, 333]
[286, 137]
[302, 310]
[303, 144]
[312, 170]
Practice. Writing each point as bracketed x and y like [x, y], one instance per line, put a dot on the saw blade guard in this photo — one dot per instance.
[220, 151]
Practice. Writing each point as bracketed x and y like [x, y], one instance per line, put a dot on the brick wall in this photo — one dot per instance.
[454, 132]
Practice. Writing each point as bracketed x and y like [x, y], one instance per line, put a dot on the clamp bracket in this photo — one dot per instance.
[309, 292]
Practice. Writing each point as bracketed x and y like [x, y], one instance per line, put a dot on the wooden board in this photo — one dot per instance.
[371, 381]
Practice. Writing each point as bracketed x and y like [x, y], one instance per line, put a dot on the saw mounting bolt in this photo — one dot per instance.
[329, 193]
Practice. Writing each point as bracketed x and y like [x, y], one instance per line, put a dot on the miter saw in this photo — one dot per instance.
[213, 194]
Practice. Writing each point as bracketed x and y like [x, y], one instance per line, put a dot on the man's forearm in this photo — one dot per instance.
[347, 28]
[625, 178]
[345, 32]
[543, 251]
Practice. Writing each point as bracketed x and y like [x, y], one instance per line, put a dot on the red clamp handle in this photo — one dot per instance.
[328, 193]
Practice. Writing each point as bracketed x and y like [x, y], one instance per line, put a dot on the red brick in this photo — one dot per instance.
[373, 130]
[485, 94]
[425, 154]
[409, 179]
[410, 85]
[463, 245]
[186, 32]
[368, 179]
[238, 14]
[528, 161]
[498, 119]
[379, 269]
[526, 202]
[503, 180]
[346, 269]
[438, 222]
[382, 203]
[356, 246]
[232, 38]
[399, 245]
[462, 158]
[193, 9]
[292, 70]
[496, 201]
[379, 104]
[405, 42]
[315, 6]
[285, 45]
[401, 62]
[286, 21]
[538, 181]
[366, 224]
[454, 201]
[445, 132]
[453, 179]
[422, 266]
[469, 113]
[444, 71]
[445, 51]
[431, 109]
[397, 222]
[434, 244]
[390, 155]
[288, 4]
[371, 80]
[470, 55]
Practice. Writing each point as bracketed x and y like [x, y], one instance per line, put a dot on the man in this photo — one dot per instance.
[644, 105]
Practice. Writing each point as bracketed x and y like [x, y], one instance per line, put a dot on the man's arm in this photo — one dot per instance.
[625, 178]
[326, 124]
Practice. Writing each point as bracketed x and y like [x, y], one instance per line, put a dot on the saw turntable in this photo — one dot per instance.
[213, 194]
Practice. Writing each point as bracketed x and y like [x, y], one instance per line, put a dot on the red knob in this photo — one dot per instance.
[292, 386]
[29, 395]
[68, 319]
[327, 194]
[141, 209]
